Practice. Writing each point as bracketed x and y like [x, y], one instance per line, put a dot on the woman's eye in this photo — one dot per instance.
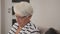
[24, 16]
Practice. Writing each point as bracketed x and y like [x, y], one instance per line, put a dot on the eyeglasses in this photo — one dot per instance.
[19, 17]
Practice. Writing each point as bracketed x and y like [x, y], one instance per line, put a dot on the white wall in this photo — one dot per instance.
[6, 20]
[8, 15]
[46, 13]
[0, 16]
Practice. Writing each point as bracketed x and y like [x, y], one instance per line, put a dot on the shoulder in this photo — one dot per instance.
[15, 24]
[13, 28]
[33, 28]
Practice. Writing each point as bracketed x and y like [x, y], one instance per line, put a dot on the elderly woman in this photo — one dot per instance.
[23, 12]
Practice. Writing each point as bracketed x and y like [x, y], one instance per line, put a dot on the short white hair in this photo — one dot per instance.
[23, 8]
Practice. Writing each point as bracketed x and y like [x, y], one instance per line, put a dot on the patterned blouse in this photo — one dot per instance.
[29, 28]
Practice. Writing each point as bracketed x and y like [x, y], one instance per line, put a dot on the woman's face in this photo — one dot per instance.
[21, 20]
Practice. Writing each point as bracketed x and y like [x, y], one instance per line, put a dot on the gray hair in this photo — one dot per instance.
[23, 8]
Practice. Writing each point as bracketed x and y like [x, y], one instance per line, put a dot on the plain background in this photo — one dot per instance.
[0, 16]
[46, 14]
